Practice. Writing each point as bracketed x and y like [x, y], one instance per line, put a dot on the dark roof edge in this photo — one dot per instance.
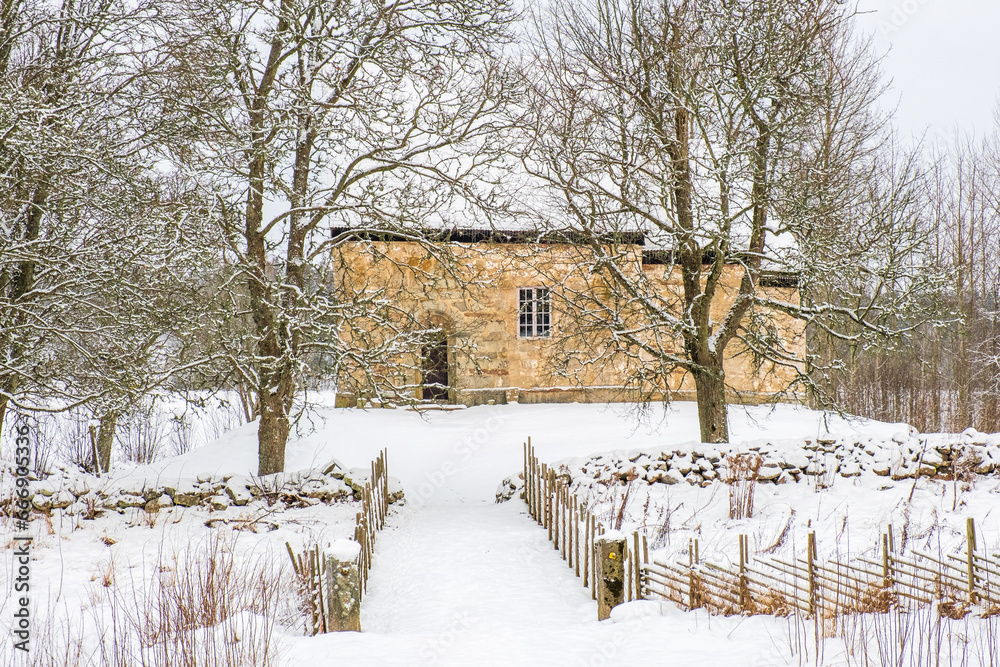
[459, 235]
[767, 278]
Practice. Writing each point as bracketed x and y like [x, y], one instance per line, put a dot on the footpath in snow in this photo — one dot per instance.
[460, 580]
[479, 584]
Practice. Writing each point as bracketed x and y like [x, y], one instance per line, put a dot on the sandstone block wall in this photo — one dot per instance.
[473, 296]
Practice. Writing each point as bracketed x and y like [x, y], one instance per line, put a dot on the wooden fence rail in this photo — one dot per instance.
[807, 585]
[802, 584]
[310, 566]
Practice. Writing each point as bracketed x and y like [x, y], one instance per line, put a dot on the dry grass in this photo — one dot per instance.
[953, 609]
[741, 476]
[774, 603]
[204, 607]
[873, 600]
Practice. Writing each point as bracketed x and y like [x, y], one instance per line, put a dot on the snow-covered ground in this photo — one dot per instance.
[460, 580]
[461, 456]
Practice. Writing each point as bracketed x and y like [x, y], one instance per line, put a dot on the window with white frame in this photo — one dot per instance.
[534, 312]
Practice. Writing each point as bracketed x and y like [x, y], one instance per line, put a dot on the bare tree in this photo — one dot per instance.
[313, 114]
[945, 376]
[731, 134]
[95, 269]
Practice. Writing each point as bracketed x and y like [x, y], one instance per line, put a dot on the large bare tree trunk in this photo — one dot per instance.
[272, 433]
[709, 378]
[710, 386]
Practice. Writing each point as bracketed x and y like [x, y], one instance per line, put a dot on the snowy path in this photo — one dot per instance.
[484, 573]
[460, 581]
[478, 584]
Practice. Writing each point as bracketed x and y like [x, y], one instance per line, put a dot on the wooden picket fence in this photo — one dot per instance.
[832, 587]
[310, 566]
[310, 569]
[572, 527]
[371, 519]
[749, 584]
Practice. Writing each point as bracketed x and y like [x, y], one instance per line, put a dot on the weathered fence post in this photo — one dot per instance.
[637, 564]
[970, 546]
[593, 559]
[743, 589]
[610, 559]
[811, 570]
[887, 576]
[343, 586]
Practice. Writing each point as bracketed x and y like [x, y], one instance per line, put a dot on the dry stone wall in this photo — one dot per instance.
[905, 456]
[76, 492]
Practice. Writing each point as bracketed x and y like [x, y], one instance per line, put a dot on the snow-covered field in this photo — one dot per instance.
[461, 580]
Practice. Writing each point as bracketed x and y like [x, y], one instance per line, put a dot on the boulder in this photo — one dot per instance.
[850, 469]
[694, 479]
[182, 486]
[985, 467]
[185, 499]
[506, 490]
[395, 489]
[926, 470]
[682, 464]
[45, 488]
[932, 457]
[125, 501]
[769, 472]
[238, 493]
[701, 465]
[63, 499]
[332, 468]
[219, 502]
[881, 468]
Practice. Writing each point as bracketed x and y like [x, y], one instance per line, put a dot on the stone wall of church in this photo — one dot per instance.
[471, 292]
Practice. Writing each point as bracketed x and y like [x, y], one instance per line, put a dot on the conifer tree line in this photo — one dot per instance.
[176, 176]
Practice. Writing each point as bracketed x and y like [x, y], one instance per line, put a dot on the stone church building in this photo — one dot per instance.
[500, 299]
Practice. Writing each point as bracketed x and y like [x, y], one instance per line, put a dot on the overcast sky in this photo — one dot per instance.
[943, 57]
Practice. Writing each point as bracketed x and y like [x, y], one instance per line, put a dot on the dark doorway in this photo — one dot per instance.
[436, 370]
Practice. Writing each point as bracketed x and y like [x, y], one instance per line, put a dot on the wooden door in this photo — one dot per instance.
[436, 371]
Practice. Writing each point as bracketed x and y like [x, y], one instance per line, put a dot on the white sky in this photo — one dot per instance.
[943, 57]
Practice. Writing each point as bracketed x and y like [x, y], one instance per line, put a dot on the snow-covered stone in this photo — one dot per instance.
[694, 479]
[769, 472]
[343, 550]
[881, 468]
[932, 457]
[850, 469]
[219, 502]
[682, 464]
[395, 489]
